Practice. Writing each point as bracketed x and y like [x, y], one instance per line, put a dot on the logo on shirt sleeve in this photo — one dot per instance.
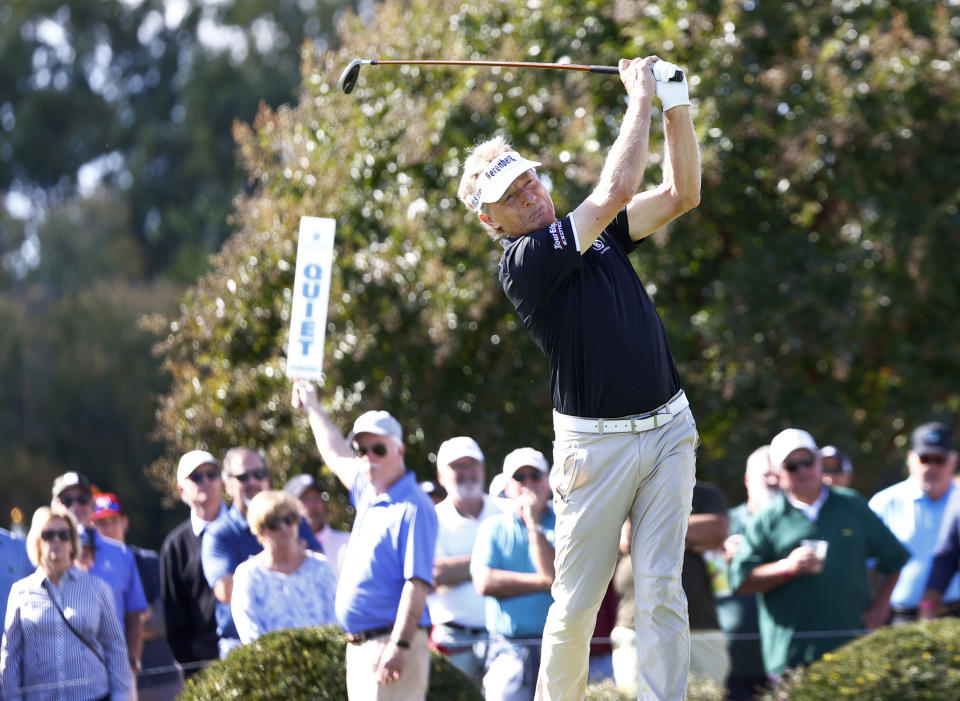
[559, 238]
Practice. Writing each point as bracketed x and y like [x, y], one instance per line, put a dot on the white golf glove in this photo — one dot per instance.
[671, 94]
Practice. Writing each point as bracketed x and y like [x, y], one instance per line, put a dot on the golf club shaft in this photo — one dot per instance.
[503, 64]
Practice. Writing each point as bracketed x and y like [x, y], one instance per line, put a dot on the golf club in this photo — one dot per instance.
[348, 79]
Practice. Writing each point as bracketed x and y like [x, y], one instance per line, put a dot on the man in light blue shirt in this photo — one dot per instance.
[388, 568]
[512, 565]
[14, 565]
[914, 510]
[106, 558]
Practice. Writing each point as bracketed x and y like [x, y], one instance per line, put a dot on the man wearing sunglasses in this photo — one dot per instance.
[189, 606]
[934, 458]
[512, 565]
[229, 540]
[804, 553]
[108, 559]
[388, 568]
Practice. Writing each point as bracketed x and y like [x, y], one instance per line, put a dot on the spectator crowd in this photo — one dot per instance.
[802, 566]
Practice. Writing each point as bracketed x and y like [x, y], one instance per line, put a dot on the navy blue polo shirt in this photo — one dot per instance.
[592, 318]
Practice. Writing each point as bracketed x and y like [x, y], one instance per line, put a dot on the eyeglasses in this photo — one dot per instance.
[64, 534]
[524, 477]
[260, 473]
[831, 470]
[209, 476]
[69, 500]
[933, 459]
[378, 449]
[274, 524]
[795, 465]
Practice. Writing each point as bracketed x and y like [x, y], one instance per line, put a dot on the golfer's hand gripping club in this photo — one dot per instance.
[671, 85]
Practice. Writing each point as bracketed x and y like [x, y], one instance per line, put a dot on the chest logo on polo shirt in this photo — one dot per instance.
[559, 238]
[600, 247]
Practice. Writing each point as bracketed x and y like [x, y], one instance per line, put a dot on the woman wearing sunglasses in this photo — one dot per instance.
[62, 638]
[285, 585]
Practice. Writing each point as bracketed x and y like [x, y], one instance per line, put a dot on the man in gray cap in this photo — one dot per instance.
[189, 606]
[381, 594]
[106, 558]
[457, 610]
[313, 506]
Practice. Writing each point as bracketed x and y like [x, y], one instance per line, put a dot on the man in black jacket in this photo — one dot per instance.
[189, 605]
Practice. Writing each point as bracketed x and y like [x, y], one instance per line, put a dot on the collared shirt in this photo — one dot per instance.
[115, 564]
[43, 660]
[199, 525]
[504, 544]
[14, 564]
[333, 542]
[833, 600]
[811, 511]
[591, 316]
[459, 603]
[915, 519]
[228, 542]
[393, 540]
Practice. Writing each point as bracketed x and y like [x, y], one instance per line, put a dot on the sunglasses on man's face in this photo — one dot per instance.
[260, 473]
[208, 476]
[795, 465]
[937, 460]
[69, 500]
[524, 477]
[63, 534]
[275, 523]
[378, 449]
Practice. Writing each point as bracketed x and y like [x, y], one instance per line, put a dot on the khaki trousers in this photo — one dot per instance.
[600, 480]
[362, 661]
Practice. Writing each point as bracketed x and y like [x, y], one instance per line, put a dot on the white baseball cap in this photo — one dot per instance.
[787, 441]
[191, 461]
[523, 457]
[456, 448]
[497, 176]
[379, 423]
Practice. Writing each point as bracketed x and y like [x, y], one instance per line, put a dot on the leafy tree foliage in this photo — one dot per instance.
[810, 288]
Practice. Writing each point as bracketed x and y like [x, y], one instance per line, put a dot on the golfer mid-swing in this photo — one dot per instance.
[625, 438]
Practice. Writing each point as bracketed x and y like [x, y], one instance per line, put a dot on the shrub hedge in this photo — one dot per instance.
[912, 662]
[304, 663]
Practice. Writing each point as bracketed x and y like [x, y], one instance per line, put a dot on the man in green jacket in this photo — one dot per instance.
[813, 596]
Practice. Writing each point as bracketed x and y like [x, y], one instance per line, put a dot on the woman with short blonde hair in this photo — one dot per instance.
[285, 585]
[45, 654]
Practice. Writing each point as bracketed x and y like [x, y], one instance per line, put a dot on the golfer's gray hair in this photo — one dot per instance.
[474, 165]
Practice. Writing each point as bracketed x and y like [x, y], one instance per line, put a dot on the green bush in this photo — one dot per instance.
[913, 662]
[304, 663]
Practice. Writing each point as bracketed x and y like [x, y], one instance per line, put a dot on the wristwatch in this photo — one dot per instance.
[402, 644]
[136, 665]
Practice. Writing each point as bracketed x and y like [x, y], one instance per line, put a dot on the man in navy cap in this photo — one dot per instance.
[313, 506]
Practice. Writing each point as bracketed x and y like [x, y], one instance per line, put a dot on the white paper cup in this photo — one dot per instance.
[819, 548]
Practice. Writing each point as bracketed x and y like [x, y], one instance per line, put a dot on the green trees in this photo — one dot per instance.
[809, 288]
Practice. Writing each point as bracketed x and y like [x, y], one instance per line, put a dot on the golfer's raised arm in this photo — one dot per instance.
[624, 166]
[333, 447]
[680, 190]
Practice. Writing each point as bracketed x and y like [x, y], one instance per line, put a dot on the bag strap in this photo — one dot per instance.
[46, 586]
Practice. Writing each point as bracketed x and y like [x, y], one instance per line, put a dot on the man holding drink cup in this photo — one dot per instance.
[804, 555]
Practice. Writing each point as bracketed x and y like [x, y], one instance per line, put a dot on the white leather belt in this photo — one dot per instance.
[636, 424]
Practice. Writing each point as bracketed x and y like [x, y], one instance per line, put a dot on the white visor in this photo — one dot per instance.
[497, 176]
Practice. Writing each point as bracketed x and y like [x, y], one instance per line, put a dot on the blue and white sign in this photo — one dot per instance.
[311, 297]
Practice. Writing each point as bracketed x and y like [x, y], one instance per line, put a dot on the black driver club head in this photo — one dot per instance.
[348, 79]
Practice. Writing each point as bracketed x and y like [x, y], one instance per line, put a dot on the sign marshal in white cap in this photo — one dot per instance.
[497, 176]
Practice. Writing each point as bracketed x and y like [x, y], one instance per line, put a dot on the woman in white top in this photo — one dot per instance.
[285, 585]
[62, 638]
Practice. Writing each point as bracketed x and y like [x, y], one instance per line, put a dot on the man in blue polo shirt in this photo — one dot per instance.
[512, 565]
[106, 558]
[388, 568]
[228, 541]
[625, 438]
